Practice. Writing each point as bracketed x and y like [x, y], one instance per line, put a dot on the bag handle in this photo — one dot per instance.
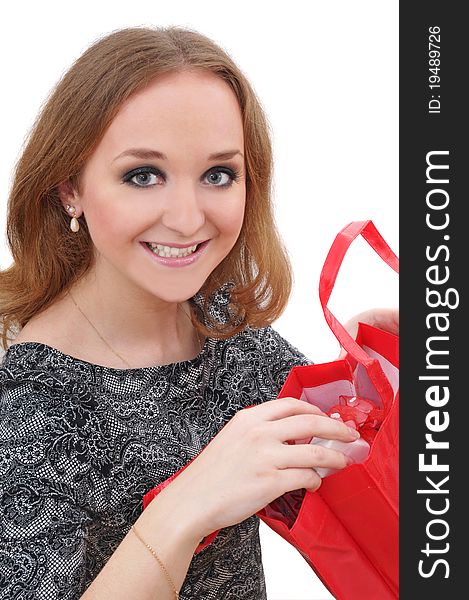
[329, 273]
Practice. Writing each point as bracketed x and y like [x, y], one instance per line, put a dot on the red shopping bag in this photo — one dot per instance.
[347, 530]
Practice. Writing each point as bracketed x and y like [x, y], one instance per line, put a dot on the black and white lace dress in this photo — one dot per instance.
[80, 445]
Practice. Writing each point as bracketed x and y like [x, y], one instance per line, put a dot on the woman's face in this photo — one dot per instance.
[155, 178]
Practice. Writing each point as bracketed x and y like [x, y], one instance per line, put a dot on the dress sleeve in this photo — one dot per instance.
[279, 356]
[42, 521]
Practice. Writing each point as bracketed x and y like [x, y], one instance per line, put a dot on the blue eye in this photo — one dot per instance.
[230, 176]
[142, 177]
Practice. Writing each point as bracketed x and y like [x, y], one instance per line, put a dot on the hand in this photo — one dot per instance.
[249, 462]
[383, 318]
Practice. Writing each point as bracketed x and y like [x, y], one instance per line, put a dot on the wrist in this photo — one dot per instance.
[176, 507]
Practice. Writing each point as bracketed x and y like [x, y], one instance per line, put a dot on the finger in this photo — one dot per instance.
[388, 319]
[284, 407]
[296, 479]
[298, 427]
[383, 318]
[310, 456]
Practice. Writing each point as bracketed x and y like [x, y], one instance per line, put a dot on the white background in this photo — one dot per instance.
[327, 76]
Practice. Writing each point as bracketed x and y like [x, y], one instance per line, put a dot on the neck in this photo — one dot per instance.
[131, 319]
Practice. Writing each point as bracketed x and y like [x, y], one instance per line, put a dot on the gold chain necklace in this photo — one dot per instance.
[111, 348]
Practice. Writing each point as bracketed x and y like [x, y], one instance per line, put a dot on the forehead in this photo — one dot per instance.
[179, 110]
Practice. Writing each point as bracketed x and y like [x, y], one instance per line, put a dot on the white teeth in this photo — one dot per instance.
[170, 252]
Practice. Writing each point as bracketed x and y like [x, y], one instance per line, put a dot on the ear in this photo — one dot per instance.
[69, 196]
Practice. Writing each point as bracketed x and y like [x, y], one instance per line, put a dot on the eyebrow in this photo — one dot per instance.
[147, 153]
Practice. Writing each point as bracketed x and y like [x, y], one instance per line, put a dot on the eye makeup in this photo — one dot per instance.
[148, 170]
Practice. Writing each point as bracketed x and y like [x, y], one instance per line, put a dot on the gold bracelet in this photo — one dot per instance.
[176, 593]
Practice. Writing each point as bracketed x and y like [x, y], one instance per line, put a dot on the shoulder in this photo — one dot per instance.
[277, 353]
[254, 364]
[54, 327]
[47, 326]
[37, 380]
[31, 401]
[261, 353]
[275, 345]
[25, 366]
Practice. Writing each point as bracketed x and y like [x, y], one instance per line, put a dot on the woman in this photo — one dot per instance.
[147, 271]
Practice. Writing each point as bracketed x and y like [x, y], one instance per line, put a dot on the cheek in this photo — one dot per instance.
[103, 224]
[109, 222]
[229, 216]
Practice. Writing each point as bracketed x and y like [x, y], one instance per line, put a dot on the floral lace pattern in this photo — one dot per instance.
[80, 444]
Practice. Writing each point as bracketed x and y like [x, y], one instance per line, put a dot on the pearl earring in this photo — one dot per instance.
[74, 224]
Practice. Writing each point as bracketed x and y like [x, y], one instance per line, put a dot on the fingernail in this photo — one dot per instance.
[354, 433]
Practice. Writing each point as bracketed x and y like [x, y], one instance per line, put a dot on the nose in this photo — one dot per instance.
[183, 211]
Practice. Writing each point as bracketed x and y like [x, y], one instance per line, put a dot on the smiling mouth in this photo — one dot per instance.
[171, 251]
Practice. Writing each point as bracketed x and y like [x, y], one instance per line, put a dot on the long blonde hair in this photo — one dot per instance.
[48, 258]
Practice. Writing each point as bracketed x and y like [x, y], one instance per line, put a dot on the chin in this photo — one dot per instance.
[177, 294]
